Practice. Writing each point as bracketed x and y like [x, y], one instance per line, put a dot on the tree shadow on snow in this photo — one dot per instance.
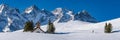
[115, 31]
[62, 33]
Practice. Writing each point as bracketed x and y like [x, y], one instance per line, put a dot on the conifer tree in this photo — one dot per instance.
[28, 26]
[108, 28]
[50, 28]
[105, 28]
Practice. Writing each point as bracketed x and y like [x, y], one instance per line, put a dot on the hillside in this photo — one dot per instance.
[72, 30]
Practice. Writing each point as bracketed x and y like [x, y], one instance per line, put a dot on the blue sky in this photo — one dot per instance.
[100, 9]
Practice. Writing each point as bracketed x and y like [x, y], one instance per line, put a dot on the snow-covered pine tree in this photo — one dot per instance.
[50, 28]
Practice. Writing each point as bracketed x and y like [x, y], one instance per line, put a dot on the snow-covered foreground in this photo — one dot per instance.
[67, 36]
[73, 30]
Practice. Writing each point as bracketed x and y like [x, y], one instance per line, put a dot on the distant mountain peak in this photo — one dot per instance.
[44, 9]
[6, 10]
[84, 16]
[59, 8]
[34, 7]
[2, 6]
[84, 12]
[64, 15]
[60, 11]
[57, 11]
[31, 8]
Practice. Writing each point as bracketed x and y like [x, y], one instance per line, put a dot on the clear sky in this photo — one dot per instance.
[100, 9]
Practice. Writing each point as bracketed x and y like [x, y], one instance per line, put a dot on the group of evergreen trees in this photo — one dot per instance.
[29, 27]
[51, 29]
[108, 28]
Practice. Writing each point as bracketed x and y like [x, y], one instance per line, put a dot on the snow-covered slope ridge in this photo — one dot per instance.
[73, 30]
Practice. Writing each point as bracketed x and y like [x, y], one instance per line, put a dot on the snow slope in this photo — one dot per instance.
[72, 30]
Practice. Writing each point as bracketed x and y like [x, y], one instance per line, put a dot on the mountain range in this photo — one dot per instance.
[13, 19]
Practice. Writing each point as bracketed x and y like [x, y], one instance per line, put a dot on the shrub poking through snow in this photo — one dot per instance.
[50, 28]
[37, 28]
[108, 28]
[28, 26]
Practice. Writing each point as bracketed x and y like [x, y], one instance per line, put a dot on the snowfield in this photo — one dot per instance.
[72, 30]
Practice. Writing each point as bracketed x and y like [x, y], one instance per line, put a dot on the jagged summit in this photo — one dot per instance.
[84, 16]
[6, 10]
[31, 8]
[64, 15]
[57, 11]
[48, 13]
[3, 7]
[85, 13]
[60, 11]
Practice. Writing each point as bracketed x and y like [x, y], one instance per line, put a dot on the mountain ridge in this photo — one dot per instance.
[33, 13]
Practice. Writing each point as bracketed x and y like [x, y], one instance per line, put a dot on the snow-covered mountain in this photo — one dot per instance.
[63, 15]
[13, 14]
[84, 16]
[33, 13]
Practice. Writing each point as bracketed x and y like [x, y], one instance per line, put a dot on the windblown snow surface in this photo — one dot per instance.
[72, 30]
